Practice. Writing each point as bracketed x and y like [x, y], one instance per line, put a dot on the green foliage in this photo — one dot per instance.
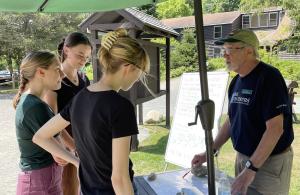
[173, 8]
[184, 53]
[88, 70]
[215, 64]
[290, 45]
[289, 69]
[21, 33]
[149, 9]
[213, 6]
[176, 72]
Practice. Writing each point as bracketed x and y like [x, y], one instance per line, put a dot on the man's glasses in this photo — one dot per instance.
[229, 51]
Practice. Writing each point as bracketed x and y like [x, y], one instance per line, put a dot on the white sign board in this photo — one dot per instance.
[186, 141]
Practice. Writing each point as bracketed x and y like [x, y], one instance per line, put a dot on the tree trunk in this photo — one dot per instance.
[9, 63]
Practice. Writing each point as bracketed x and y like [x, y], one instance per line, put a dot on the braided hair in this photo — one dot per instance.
[29, 65]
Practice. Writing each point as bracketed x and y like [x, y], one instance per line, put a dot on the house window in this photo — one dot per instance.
[246, 21]
[254, 21]
[273, 19]
[217, 32]
[263, 20]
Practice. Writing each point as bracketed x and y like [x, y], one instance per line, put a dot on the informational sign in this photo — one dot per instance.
[186, 141]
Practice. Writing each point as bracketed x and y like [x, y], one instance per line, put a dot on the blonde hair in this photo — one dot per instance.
[118, 48]
[33, 60]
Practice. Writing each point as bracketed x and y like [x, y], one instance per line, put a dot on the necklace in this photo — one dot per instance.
[74, 80]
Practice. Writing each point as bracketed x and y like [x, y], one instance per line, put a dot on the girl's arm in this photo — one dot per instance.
[59, 161]
[51, 99]
[120, 166]
[44, 138]
[68, 140]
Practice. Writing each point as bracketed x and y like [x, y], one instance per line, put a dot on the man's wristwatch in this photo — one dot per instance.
[249, 165]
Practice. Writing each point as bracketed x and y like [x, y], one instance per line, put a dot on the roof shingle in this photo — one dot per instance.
[208, 20]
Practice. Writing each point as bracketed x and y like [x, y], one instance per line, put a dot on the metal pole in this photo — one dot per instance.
[205, 107]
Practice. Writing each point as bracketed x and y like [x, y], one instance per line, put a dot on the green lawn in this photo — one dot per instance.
[150, 157]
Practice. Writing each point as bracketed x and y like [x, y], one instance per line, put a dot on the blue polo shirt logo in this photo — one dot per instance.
[247, 91]
[239, 99]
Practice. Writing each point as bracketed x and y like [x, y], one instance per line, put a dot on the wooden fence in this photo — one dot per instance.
[289, 56]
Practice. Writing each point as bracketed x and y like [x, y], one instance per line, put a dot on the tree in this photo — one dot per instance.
[149, 9]
[213, 6]
[173, 8]
[184, 53]
[21, 33]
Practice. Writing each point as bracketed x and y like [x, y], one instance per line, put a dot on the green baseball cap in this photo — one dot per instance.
[241, 35]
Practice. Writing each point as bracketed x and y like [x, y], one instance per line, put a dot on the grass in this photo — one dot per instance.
[9, 91]
[8, 88]
[150, 157]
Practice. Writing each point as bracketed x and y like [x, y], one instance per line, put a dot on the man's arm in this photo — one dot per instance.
[268, 141]
[264, 149]
[221, 138]
[223, 135]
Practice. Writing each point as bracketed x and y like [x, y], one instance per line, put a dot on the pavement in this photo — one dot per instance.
[9, 153]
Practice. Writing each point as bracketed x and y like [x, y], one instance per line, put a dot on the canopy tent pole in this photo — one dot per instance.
[205, 107]
[41, 8]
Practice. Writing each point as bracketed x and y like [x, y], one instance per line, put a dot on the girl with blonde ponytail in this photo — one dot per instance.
[102, 120]
[40, 174]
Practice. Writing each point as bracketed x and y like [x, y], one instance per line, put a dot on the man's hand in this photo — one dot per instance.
[199, 159]
[60, 161]
[242, 181]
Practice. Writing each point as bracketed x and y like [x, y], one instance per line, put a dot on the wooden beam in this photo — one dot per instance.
[151, 43]
[111, 26]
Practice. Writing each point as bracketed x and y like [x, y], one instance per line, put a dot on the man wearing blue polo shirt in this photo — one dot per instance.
[259, 119]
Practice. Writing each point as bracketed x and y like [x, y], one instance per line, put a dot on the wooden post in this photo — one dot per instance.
[134, 138]
[168, 82]
[140, 107]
